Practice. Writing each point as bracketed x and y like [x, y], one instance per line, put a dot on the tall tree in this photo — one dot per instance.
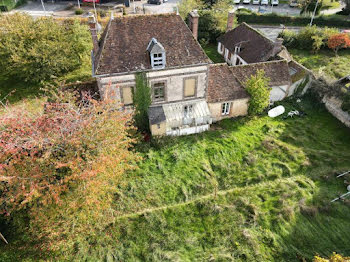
[142, 101]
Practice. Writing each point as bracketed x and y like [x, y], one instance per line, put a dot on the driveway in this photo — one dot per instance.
[143, 7]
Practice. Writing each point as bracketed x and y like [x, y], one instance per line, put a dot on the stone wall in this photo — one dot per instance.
[238, 107]
[333, 105]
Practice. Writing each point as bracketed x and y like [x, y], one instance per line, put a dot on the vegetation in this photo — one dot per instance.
[142, 101]
[259, 90]
[79, 11]
[276, 19]
[308, 6]
[41, 49]
[186, 6]
[334, 258]
[7, 5]
[324, 63]
[212, 52]
[311, 38]
[338, 41]
[55, 169]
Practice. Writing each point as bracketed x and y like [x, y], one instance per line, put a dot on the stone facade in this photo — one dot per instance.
[238, 107]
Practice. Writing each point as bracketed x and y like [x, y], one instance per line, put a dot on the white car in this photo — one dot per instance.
[293, 3]
[236, 2]
[246, 2]
[274, 2]
[264, 2]
[256, 2]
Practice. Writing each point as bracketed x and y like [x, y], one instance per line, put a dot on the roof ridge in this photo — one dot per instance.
[259, 63]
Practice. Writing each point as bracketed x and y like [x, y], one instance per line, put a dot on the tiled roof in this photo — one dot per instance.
[226, 83]
[125, 44]
[223, 85]
[297, 71]
[277, 71]
[255, 47]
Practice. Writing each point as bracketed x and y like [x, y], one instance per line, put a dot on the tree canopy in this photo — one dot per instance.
[36, 50]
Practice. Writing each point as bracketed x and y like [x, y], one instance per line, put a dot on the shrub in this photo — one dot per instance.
[60, 166]
[79, 11]
[338, 41]
[258, 88]
[36, 50]
[333, 258]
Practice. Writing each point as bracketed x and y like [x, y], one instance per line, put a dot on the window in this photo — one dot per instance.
[126, 95]
[225, 109]
[190, 87]
[220, 48]
[159, 91]
[237, 49]
[158, 60]
[188, 111]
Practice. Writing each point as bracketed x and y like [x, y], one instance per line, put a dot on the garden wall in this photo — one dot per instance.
[333, 105]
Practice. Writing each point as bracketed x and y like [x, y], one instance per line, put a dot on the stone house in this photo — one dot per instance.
[189, 92]
[245, 45]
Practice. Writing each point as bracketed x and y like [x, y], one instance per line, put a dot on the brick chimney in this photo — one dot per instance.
[193, 22]
[93, 30]
[230, 20]
[277, 46]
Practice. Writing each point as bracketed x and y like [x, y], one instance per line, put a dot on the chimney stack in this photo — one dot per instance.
[230, 20]
[93, 30]
[193, 23]
[277, 46]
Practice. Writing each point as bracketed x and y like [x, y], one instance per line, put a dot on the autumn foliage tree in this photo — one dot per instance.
[338, 41]
[61, 166]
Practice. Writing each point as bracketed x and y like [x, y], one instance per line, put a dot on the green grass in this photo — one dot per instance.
[330, 4]
[324, 62]
[212, 53]
[251, 189]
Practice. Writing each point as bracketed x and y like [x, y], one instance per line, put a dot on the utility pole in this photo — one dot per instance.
[314, 13]
[42, 3]
[78, 4]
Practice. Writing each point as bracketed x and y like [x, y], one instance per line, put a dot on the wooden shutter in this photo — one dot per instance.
[127, 95]
[190, 87]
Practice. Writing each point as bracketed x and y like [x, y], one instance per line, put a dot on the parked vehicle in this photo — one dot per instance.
[246, 2]
[264, 2]
[274, 2]
[256, 2]
[293, 3]
[154, 2]
[236, 2]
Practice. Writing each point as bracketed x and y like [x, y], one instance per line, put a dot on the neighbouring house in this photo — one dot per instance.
[189, 92]
[245, 45]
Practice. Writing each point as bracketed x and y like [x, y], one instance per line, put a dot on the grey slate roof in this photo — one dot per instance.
[156, 115]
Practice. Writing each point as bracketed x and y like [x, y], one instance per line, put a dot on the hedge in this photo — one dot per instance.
[270, 19]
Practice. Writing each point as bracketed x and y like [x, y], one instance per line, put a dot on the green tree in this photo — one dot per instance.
[308, 6]
[36, 50]
[186, 6]
[142, 101]
[258, 88]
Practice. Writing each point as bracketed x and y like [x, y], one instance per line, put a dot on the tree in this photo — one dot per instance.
[186, 6]
[308, 6]
[258, 88]
[338, 41]
[142, 101]
[36, 50]
[62, 166]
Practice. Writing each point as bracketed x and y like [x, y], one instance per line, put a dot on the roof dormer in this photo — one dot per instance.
[157, 54]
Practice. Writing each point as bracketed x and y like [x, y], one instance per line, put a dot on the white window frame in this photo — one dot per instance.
[158, 60]
[220, 48]
[225, 108]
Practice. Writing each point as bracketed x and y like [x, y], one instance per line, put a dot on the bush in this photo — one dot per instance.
[36, 50]
[271, 19]
[79, 11]
[258, 88]
[102, 13]
[309, 38]
[59, 167]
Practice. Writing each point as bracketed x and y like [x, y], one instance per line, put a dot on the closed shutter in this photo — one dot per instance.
[127, 95]
[190, 87]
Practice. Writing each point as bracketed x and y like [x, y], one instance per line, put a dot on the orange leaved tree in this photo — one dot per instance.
[62, 167]
[338, 41]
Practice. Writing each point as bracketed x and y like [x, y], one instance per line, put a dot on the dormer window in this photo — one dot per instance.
[237, 49]
[157, 54]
